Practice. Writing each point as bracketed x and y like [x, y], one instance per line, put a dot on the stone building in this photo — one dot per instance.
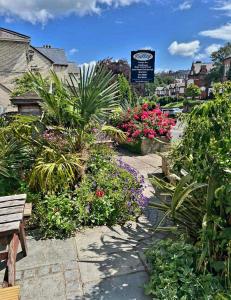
[18, 56]
[227, 67]
[197, 76]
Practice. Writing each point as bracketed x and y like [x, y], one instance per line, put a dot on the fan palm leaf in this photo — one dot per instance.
[55, 171]
[95, 94]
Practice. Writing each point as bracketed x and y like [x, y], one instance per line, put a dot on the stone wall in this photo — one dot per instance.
[39, 62]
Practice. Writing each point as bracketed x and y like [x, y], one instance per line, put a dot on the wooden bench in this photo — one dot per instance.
[27, 210]
[11, 293]
[11, 232]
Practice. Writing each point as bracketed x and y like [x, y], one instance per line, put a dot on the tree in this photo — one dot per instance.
[193, 91]
[161, 79]
[125, 92]
[217, 73]
[117, 67]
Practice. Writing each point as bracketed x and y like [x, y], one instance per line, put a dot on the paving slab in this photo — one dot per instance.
[127, 287]
[39, 288]
[47, 252]
[115, 264]
[102, 241]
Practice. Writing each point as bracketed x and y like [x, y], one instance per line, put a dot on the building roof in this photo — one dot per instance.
[14, 33]
[160, 88]
[228, 56]
[197, 66]
[73, 68]
[56, 55]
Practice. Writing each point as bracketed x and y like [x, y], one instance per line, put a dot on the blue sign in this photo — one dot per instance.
[142, 66]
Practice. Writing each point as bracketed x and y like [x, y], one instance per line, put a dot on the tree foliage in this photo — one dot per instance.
[125, 92]
[217, 57]
[193, 91]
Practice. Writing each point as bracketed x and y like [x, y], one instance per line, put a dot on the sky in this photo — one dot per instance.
[180, 31]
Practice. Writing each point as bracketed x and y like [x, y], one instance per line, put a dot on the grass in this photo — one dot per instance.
[181, 105]
[174, 104]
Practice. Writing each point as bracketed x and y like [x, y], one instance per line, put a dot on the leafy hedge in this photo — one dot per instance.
[174, 275]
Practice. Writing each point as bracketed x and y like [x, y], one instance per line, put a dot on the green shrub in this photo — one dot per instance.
[174, 275]
[56, 215]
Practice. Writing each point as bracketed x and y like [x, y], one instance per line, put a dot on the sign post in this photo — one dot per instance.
[142, 66]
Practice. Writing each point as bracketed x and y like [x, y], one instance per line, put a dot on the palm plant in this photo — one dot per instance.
[72, 108]
[184, 209]
[95, 95]
[55, 99]
[54, 171]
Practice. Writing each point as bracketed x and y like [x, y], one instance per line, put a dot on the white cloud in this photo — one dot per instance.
[212, 48]
[201, 56]
[184, 49]
[222, 33]
[41, 11]
[185, 5]
[88, 64]
[224, 6]
[73, 51]
[208, 51]
[146, 48]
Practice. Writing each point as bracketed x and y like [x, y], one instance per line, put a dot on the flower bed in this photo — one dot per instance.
[94, 200]
[148, 130]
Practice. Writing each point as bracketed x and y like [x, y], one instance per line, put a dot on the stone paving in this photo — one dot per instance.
[99, 263]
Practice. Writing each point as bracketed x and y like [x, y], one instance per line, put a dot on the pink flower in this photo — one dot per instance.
[144, 115]
[151, 136]
[157, 111]
[162, 131]
[136, 133]
[145, 106]
[136, 117]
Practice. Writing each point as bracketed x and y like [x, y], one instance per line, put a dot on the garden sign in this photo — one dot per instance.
[142, 66]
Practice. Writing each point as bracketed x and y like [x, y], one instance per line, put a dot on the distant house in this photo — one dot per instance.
[18, 56]
[227, 66]
[176, 89]
[160, 91]
[197, 76]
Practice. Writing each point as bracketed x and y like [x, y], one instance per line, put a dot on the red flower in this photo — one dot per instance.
[99, 193]
[136, 133]
[145, 106]
[151, 136]
[144, 115]
[162, 131]
[136, 117]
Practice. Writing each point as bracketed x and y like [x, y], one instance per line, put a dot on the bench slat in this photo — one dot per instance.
[27, 210]
[11, 293]
[13, 197]
[11, 218]
[9, 227]
[11, 210]
[12, 203]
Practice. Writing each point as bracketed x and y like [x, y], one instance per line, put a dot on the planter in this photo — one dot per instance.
[147, 146]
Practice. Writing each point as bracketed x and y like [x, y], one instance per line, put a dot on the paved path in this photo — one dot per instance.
[100, 263]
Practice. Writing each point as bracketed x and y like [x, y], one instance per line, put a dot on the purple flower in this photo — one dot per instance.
[136, 193]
